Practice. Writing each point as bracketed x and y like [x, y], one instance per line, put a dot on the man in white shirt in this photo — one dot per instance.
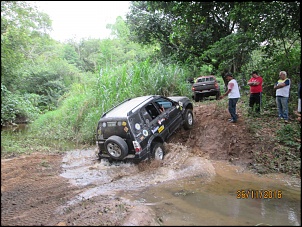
[233, 95]
[282, 88]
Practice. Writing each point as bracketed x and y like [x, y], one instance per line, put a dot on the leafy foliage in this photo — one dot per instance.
[221, 34]
[14, 106]
[183, 29]
[20, 23]
[290, 136]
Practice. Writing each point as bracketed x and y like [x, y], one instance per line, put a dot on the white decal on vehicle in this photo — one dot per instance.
[145, 132]
[155, 129]
[137, 126]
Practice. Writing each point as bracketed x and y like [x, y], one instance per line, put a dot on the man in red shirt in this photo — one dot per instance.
[255, 84]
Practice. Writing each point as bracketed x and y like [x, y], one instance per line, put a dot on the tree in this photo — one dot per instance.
[216, 33]
[183, 29]
[273, 25]
[20, 22]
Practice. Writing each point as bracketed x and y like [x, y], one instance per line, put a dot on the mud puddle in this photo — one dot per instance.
[187, 190]
[222, 201]
[83, 169]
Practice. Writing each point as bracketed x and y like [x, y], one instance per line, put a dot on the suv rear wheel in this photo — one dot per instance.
[116, 147]
[158, 151]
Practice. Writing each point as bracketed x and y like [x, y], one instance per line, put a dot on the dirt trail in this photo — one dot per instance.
[33, 191]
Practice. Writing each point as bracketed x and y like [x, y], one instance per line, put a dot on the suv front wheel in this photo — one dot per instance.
[188, 123]
[116, 147]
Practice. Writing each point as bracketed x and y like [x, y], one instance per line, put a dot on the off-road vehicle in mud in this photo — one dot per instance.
[137, 128]
[205, 86]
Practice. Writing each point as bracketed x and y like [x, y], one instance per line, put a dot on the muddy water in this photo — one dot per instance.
[192, 201]
[187, 190]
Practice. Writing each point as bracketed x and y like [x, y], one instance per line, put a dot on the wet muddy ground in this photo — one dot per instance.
[199, 178]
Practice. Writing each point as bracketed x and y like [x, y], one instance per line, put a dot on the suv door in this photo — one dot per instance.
[156, 119]
[171, 113]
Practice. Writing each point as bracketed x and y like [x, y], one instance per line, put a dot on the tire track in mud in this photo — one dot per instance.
[31, 189]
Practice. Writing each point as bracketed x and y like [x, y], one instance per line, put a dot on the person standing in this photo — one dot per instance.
[282, 88]
[255, 83]
[233, 96]
[298, 113]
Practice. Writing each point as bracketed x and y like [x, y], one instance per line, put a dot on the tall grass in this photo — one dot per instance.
[76, 118]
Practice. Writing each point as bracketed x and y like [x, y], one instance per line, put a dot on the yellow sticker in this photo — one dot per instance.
[161, 128]
[124, 123]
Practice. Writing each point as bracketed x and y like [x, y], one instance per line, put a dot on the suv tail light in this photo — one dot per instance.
[137, 146]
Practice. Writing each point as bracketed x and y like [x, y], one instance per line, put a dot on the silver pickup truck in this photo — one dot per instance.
[205, 86]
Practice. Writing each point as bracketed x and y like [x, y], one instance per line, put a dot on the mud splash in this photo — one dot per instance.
[184, 190]
[83, 169]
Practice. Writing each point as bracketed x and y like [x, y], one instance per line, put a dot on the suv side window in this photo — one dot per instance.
[146, 116]
[152, 111]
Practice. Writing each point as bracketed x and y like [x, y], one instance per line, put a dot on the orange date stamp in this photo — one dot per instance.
[259, 194]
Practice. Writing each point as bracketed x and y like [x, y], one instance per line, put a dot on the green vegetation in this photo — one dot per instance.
[62, 89]
[279, 144]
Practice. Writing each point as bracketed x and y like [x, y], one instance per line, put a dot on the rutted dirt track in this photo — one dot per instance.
[34, 192]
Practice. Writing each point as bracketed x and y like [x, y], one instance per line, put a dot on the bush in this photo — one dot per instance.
[15, 107]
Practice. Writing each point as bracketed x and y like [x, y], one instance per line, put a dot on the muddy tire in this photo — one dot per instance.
[116, 147]
[189, 121]
[217, 95]
[157, 151]
[196, 98]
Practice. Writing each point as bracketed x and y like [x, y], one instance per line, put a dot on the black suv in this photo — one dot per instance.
[137, 128]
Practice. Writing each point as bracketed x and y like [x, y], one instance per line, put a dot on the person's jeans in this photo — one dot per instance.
[255, 100]
[282, 105]
[232, 108]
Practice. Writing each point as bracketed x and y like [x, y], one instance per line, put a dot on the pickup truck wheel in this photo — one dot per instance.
[196, 98]
[116, 147]
[189, 121]
[217, 95]
[158, 151]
